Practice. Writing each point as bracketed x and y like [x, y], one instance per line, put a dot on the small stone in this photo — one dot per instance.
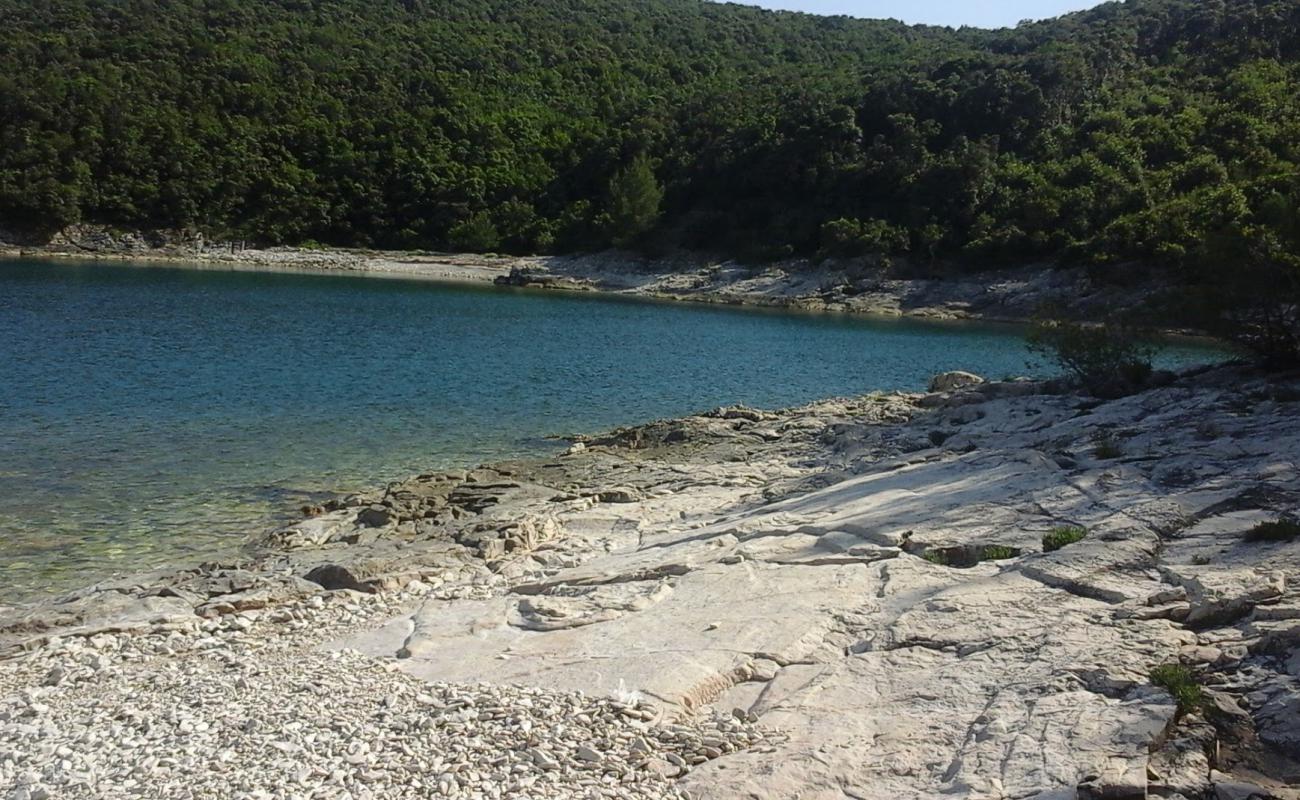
[543, 759]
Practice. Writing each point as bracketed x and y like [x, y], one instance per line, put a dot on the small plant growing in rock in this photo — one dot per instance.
[1105, 446]
[1181, 684]
[1061, 536]
[965, 557]
[1279, 530]
[1207, 431]
[997, 552]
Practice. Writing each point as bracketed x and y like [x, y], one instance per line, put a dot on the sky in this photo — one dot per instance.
[980, 13]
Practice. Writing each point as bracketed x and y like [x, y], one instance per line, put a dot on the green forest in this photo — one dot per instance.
[1152, 132]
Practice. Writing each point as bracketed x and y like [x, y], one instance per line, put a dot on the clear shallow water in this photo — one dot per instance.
[156, 415]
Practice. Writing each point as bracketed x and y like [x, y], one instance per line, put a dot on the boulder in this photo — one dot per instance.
[375, 516]
[954, 381]
[620, 494]
[334, 577]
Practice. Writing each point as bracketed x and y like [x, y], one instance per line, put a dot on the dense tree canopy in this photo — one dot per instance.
[1150, 130]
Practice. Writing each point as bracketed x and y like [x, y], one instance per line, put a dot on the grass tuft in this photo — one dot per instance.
[1181, 684]
[965, 557]
[997, 552]
[1063, 535]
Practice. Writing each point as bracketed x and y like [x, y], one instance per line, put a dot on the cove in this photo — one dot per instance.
[159, 415]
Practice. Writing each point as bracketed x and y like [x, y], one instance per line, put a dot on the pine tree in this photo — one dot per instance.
[634, 198]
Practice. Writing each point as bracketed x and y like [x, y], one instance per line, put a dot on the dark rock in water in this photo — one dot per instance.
[334, 577]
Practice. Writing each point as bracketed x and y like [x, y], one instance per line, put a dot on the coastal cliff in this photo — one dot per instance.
[994, 590]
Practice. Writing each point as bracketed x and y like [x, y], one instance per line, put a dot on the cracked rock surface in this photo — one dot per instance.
[855, 598]
[889, 608]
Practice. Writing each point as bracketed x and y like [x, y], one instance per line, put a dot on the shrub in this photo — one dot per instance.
[1061, 536]
[1281, 530]
[853, 237]
[1256, 302]
[1106, 446]
[477, 234]
[1108, 360]
[1181, 684]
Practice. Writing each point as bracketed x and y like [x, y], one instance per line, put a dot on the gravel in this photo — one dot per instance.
[248, 706]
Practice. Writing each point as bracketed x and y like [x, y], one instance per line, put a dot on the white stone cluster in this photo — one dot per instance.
[256, 721]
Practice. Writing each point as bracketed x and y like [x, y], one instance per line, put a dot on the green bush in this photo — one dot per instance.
[477, 234]
[853, 237]
[634, 200]
[1106, 446]
[1111, 359]
[1181, 684]
[1063, 535]
[1281, 530]
[1256, 303]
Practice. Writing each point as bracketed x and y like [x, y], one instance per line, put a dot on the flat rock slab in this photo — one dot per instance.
[682, 640]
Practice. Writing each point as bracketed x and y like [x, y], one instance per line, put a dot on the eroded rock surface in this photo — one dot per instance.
[956, 594]
[886, 602]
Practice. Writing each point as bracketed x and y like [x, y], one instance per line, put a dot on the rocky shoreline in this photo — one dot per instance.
[970, 592]
[857, 286]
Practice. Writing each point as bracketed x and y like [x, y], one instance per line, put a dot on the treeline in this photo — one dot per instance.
[1159, 131]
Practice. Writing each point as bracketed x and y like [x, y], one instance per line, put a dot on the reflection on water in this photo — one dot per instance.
[155, 415]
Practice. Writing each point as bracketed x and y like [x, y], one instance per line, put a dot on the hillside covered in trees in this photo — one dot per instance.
[1153, 131]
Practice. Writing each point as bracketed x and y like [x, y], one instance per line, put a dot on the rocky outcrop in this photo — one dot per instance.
[953, 381]
[906, 596]
[899, 620]
[539, 277]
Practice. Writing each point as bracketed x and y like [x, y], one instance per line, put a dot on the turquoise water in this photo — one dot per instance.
[153, 415]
